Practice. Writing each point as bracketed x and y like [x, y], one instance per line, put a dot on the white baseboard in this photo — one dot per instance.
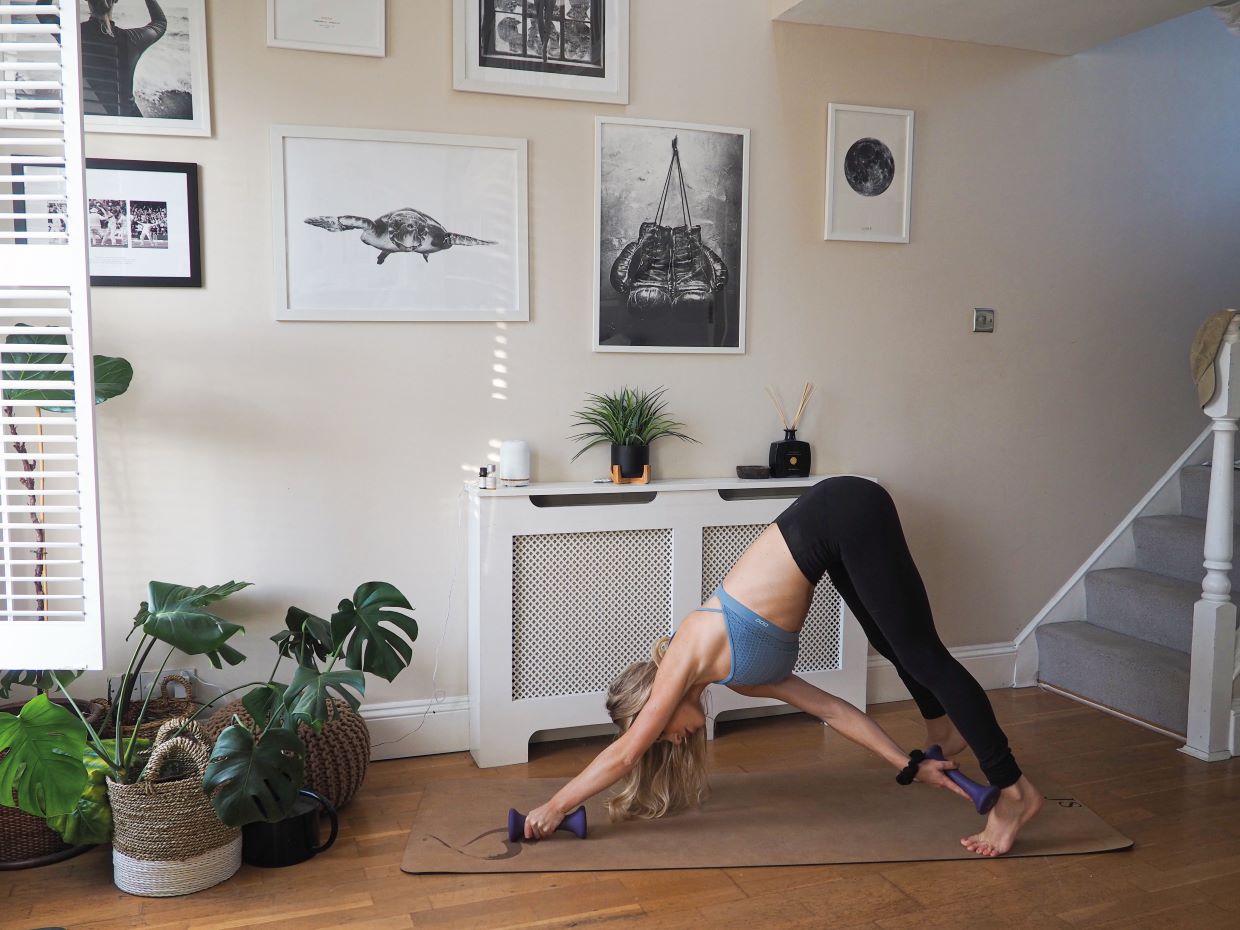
[417, 728]
[992, 664]
[422, 728]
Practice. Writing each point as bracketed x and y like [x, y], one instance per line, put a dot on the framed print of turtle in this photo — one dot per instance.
[566, 49]
[869, 173]
[469, 225]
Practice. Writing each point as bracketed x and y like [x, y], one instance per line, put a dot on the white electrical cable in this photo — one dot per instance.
[437, 696]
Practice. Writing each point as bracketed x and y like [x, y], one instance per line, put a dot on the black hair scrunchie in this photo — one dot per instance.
[909, 772]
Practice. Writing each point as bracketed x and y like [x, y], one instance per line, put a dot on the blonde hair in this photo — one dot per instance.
[668, 776]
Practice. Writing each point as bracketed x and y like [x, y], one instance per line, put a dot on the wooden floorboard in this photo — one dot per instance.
[1184, 871]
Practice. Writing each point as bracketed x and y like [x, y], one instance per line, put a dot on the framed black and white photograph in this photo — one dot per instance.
[392, 225]
[346, 27]
[869, 173]
[144, 66]
[142, 219]
[671, 216]
[566, 49]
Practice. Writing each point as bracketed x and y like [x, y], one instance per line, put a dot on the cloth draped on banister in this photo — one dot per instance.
[1204, 351]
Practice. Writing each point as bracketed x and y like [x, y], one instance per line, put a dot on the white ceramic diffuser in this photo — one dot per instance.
[514, 463]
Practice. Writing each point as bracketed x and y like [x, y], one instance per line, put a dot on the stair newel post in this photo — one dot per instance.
[1213, 656]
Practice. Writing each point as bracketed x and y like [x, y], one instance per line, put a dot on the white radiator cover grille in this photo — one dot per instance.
[585, 605]
[820, 637]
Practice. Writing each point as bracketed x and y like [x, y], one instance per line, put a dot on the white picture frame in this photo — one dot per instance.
[162, 73]
[594, 67]
[634, 158]
[869, 173]
[343, 27]
[452, 207]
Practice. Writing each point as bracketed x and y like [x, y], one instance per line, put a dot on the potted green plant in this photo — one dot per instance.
[52, 748]
[258, 765]
[629, 420]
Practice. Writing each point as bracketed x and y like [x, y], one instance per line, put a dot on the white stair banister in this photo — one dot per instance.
[1213, 656]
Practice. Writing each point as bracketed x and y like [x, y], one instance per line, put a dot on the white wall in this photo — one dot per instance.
[1092, 200]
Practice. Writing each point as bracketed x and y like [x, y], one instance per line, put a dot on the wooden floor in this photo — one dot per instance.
[1184, 871]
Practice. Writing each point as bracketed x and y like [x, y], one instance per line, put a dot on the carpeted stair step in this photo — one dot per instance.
[1195, 491]
[1172, 545]
[1141, 679]
[1152, 607]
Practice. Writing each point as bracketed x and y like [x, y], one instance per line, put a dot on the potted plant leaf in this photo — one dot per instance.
[629, 420]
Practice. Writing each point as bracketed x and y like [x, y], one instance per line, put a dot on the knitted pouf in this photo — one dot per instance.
[336, 759]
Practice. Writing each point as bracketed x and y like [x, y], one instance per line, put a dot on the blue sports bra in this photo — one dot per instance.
[762, 653]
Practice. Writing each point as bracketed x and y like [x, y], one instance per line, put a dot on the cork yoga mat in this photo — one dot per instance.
[787, 818]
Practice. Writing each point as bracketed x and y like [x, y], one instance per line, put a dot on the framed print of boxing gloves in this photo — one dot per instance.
[670, 237]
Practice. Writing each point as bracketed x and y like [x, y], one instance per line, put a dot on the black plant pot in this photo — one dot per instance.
[631, 459]
[293, 839]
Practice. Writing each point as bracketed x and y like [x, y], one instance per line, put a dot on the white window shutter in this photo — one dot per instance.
[50, 601]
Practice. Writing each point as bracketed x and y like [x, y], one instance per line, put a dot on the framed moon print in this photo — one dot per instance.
[388, 225]
[567, 49]
[869, 173]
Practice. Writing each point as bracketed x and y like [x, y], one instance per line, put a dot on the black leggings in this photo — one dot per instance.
[848, 528]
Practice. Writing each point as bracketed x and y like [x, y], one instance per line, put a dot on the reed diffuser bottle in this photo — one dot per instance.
[790, 457]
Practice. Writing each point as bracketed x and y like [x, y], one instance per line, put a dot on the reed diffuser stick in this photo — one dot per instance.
[805, 393]
[779, 408]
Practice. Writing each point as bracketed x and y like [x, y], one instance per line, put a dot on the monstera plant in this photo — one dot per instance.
[257, 769]
[56, 760]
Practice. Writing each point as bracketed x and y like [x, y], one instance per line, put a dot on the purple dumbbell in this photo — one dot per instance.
[574, 823]
[982, 796]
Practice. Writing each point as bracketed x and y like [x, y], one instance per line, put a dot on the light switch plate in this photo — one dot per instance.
[983, 320]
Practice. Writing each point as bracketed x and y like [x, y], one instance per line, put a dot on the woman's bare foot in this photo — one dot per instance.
[1017, 805]
[941, 730]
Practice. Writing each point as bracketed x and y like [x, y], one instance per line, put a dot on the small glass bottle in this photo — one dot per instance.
[482, 478]
[491, 482]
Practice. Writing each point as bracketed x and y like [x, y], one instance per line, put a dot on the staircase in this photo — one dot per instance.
[1130, 652]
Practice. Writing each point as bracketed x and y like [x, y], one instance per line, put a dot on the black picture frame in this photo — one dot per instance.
[189, 170]
[193, 234]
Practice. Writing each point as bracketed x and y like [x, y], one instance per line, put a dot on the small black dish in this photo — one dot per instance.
[753, 471]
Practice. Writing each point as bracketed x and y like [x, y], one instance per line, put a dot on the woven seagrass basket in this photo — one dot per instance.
[168, 839]
[27, 841]
[336, 759]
